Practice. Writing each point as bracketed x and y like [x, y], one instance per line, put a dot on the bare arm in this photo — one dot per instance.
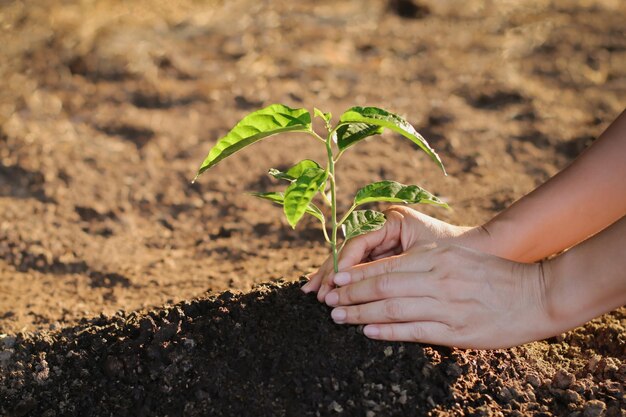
[589, 279]
[578, 202]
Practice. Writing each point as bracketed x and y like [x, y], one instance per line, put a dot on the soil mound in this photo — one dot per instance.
[275, 351]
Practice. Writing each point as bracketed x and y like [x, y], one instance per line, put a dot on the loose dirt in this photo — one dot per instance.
[106, 110]
[274, 351]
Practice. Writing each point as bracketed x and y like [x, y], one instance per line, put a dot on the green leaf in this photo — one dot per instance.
[394, 192]
[321, 114]
[350, 133]
[383, 118]
[300, 193]
[362, 221]
[279, 198]
[295, 171]
[257, 125]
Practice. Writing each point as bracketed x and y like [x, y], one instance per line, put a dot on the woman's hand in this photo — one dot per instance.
[403, 228]
[446, 295]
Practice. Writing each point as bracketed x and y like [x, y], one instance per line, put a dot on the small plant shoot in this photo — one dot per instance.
[310, 184]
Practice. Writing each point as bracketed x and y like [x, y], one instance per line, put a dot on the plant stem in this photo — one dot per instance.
[316, 136]
[345, 216]
[339, 155]
[333, 201]
[325, 232]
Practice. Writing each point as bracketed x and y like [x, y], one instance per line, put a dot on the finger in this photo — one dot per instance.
[315, 279]
[374, 256]
[392, 310]
[410, 261]
[327, 276]
[383, 239]
[411, 284]
[325, 288]
[314, 282]
[327, 282]
[431, 332]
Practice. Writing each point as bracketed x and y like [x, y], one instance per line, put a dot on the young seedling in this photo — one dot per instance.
[308, 179]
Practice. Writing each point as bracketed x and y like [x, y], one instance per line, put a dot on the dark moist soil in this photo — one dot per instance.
[274, 351]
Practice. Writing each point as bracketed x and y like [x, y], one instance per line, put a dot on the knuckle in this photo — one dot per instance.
[354, 314]
[457, 319]
[393, 310]
[417, 332]
[382, 285]
[461, 328]
[357, 275]
[441, 274]
[346, 295]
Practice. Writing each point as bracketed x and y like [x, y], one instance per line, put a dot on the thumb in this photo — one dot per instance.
[383, 240]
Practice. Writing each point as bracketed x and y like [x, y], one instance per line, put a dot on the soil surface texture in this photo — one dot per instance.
[113, 265]
[273, 351]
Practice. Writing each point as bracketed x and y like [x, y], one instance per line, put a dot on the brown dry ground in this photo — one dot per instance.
[108, 107]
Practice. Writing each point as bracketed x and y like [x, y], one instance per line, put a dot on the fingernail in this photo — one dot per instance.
[371, 331]
[332, 299]
[338, 315]
[342, 278]
[305, 288]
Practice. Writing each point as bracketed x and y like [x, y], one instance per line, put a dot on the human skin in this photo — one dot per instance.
[421, 279]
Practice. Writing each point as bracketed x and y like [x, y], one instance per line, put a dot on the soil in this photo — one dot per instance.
[113, 265]
[274, 351]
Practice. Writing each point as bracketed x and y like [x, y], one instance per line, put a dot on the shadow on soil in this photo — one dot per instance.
[273, 351]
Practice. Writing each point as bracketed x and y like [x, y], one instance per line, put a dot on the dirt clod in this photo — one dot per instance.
[563, 379]
[594, 408]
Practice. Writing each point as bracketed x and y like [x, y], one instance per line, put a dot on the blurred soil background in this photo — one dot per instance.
[107, 108]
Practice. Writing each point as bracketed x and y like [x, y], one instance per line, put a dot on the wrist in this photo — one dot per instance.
[504, 237]
[477, 237]
[560, 309]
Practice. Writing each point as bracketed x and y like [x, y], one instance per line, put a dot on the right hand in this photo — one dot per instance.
[402, 230]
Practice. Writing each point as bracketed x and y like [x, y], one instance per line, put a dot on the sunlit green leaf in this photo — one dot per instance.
[325, 116]
[257, 125]
[350, 133]
[394, 192]
[300, 193]
[382, 118]
[362, 221]
[279, 198]
[295, 171]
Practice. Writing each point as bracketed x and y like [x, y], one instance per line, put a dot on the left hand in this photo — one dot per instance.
[403, 228]
[446, 295]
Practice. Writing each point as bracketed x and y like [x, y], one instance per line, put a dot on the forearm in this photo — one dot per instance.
[581, 200]
[587, 280]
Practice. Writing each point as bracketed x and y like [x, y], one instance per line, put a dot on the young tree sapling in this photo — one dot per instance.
[308, 179]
